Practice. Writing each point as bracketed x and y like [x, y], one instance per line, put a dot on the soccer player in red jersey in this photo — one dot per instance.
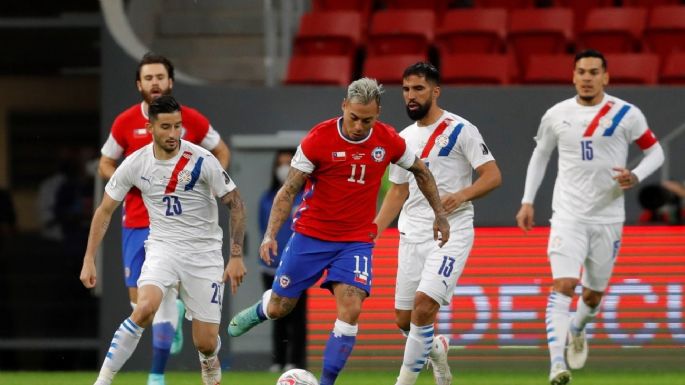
[341, 161]
[154, 78]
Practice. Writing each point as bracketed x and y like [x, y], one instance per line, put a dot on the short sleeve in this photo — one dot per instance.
[301, 161]
[474, 148]
[398, 175]
[121, 181]
[211, 140]
[111, 148]
[217, 178]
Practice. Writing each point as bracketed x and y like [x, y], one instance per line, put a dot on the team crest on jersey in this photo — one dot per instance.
[605, 122]
[184, 176]
[378, 154]
[442, 140]
[284, 281]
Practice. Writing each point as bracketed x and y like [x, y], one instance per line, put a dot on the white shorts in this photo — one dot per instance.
[593, 247]
[198, 276]
[427, 268]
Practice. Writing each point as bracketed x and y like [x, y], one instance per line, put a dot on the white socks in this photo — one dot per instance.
[584, 315]
[416, 350]
[123, 344]
[556, 323]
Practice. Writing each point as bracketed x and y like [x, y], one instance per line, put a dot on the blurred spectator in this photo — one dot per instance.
[661, 203]
[290, 332]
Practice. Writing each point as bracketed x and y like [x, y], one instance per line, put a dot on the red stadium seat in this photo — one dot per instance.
[478, 30]
[549, 69]
[648, 3]
[364, 7]
[329, 33]
[673, 71]
[665, 32]
[581, 8]
[319, 70]
[509, 4]
[532, 31]
[633, 68]
[475, 68]
[397, 31]
[388, 69]
[613, 29]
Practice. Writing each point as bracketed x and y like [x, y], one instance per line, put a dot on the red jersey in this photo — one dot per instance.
[129, 134]
[339, 202]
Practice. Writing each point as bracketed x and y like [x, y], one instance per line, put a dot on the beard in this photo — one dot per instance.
[148, 98]
[420, 112]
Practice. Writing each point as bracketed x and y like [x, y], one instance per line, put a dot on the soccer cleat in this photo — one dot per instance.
[244, 321]
[438, 360]
[155, 379]
[559, 374]
[177, 344]
[576, 350]
[211, 370]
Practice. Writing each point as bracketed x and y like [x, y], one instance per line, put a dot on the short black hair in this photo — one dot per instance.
[591, 53]
[164, 104]
[425, 69]
[154, 58]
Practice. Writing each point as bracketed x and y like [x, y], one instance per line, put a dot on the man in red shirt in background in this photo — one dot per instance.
[154, 78]
[342, 161]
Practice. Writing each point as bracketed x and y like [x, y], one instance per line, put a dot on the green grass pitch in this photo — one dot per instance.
[585, 377]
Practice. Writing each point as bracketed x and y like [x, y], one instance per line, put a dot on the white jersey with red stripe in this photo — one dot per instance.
[591, 140]
[178, 194]
[452, 148]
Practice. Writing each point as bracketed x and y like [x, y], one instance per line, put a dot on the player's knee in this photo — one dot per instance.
[565, 286]
[206, 346]
[592, 298]
[143, 313]
[402, 321]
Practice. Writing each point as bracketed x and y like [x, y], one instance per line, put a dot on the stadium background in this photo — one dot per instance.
[256, 120]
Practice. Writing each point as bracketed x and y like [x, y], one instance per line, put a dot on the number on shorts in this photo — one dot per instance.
[216, 297]
[447, 266]
[356, 265]
[172, 208]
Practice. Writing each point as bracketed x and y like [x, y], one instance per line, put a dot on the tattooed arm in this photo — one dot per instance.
[98, 228]
[426, 183]
[235, 270]
[280, 211]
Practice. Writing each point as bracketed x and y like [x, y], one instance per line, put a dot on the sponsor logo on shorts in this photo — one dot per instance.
[284, 281]
[556, 242]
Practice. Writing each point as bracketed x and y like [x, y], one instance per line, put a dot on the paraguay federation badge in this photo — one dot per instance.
[184, 176]
[442, 140]
[378, 154]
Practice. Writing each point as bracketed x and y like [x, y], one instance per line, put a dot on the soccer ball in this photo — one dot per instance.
[297, 377]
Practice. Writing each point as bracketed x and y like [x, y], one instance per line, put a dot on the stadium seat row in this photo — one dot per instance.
[483, 68]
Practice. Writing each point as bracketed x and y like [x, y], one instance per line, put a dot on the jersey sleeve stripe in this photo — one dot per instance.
[431, 141]
[195, 174]
[171, 186]
[445, 151]
[595, 121]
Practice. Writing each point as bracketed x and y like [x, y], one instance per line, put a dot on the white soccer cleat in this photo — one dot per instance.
[438, 360]
[559, 374]
[211, 370]
[576, 350]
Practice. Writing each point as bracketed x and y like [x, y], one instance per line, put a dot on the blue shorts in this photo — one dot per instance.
[305, 259]
[133, 253]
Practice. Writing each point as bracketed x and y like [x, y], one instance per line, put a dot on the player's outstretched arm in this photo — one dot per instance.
[426, 183]
[235, 270]
[280, 211]
[392, 204]
[98, 227]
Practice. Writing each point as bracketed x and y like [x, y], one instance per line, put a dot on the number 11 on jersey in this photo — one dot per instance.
[353, 175]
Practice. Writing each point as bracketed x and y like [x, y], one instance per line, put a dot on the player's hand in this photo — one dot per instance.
[524, 218]
[625, 178]
[451, 202]
[267, 249]
[235, 272]
[88, 273]
[441, 229]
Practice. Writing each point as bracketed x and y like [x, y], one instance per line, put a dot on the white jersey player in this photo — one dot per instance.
[179, 182]
[592, 133]
[452, 148]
